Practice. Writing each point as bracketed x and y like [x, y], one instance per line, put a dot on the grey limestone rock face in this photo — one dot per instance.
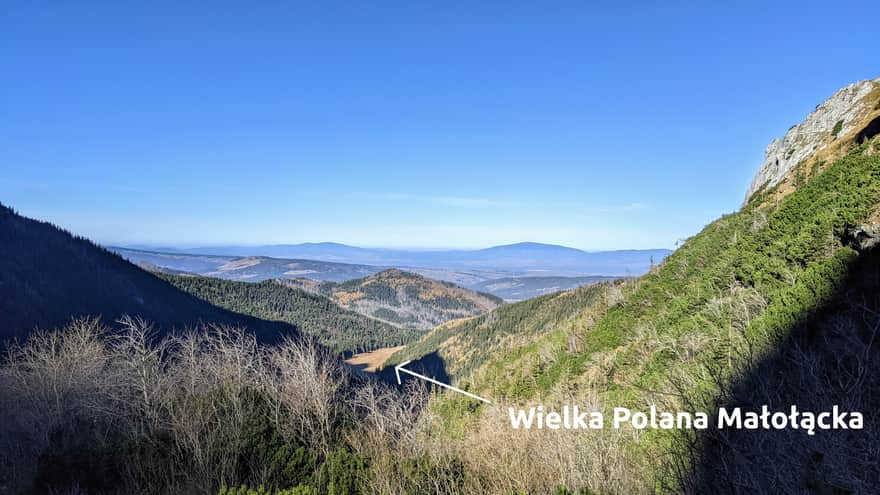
[835, 116]
[863, 238]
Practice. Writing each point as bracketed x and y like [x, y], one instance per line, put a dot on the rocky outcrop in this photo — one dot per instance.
[863, 238]
[842, 115]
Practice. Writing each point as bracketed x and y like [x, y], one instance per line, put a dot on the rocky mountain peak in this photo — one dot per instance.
[850, 114]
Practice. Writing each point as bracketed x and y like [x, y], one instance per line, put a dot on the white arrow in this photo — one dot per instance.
[400, 367]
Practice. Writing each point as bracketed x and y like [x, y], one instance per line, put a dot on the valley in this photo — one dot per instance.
[775, 303]
[419, 248]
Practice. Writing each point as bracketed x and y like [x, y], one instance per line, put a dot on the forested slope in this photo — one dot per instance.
[469, 343]
[345, 331]
[404, 299]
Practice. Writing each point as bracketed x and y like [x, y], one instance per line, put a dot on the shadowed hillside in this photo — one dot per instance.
[830, 357]
[48, 277]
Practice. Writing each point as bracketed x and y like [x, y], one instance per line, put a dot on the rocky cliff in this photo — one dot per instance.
[852, 114]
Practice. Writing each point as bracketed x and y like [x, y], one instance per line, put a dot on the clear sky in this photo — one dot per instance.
[596, 125]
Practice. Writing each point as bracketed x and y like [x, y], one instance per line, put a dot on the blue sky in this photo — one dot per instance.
[597, 125]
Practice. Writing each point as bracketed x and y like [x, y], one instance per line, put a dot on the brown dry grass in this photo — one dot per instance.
[373, 359]
[345, 299]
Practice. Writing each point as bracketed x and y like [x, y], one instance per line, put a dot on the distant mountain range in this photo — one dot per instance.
[512, 272]
[524, 258]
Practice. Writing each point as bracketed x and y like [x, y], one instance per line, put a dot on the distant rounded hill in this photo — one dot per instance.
[403, 298]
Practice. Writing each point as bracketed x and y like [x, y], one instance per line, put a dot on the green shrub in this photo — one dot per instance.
[341, 473]
[261, 490]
